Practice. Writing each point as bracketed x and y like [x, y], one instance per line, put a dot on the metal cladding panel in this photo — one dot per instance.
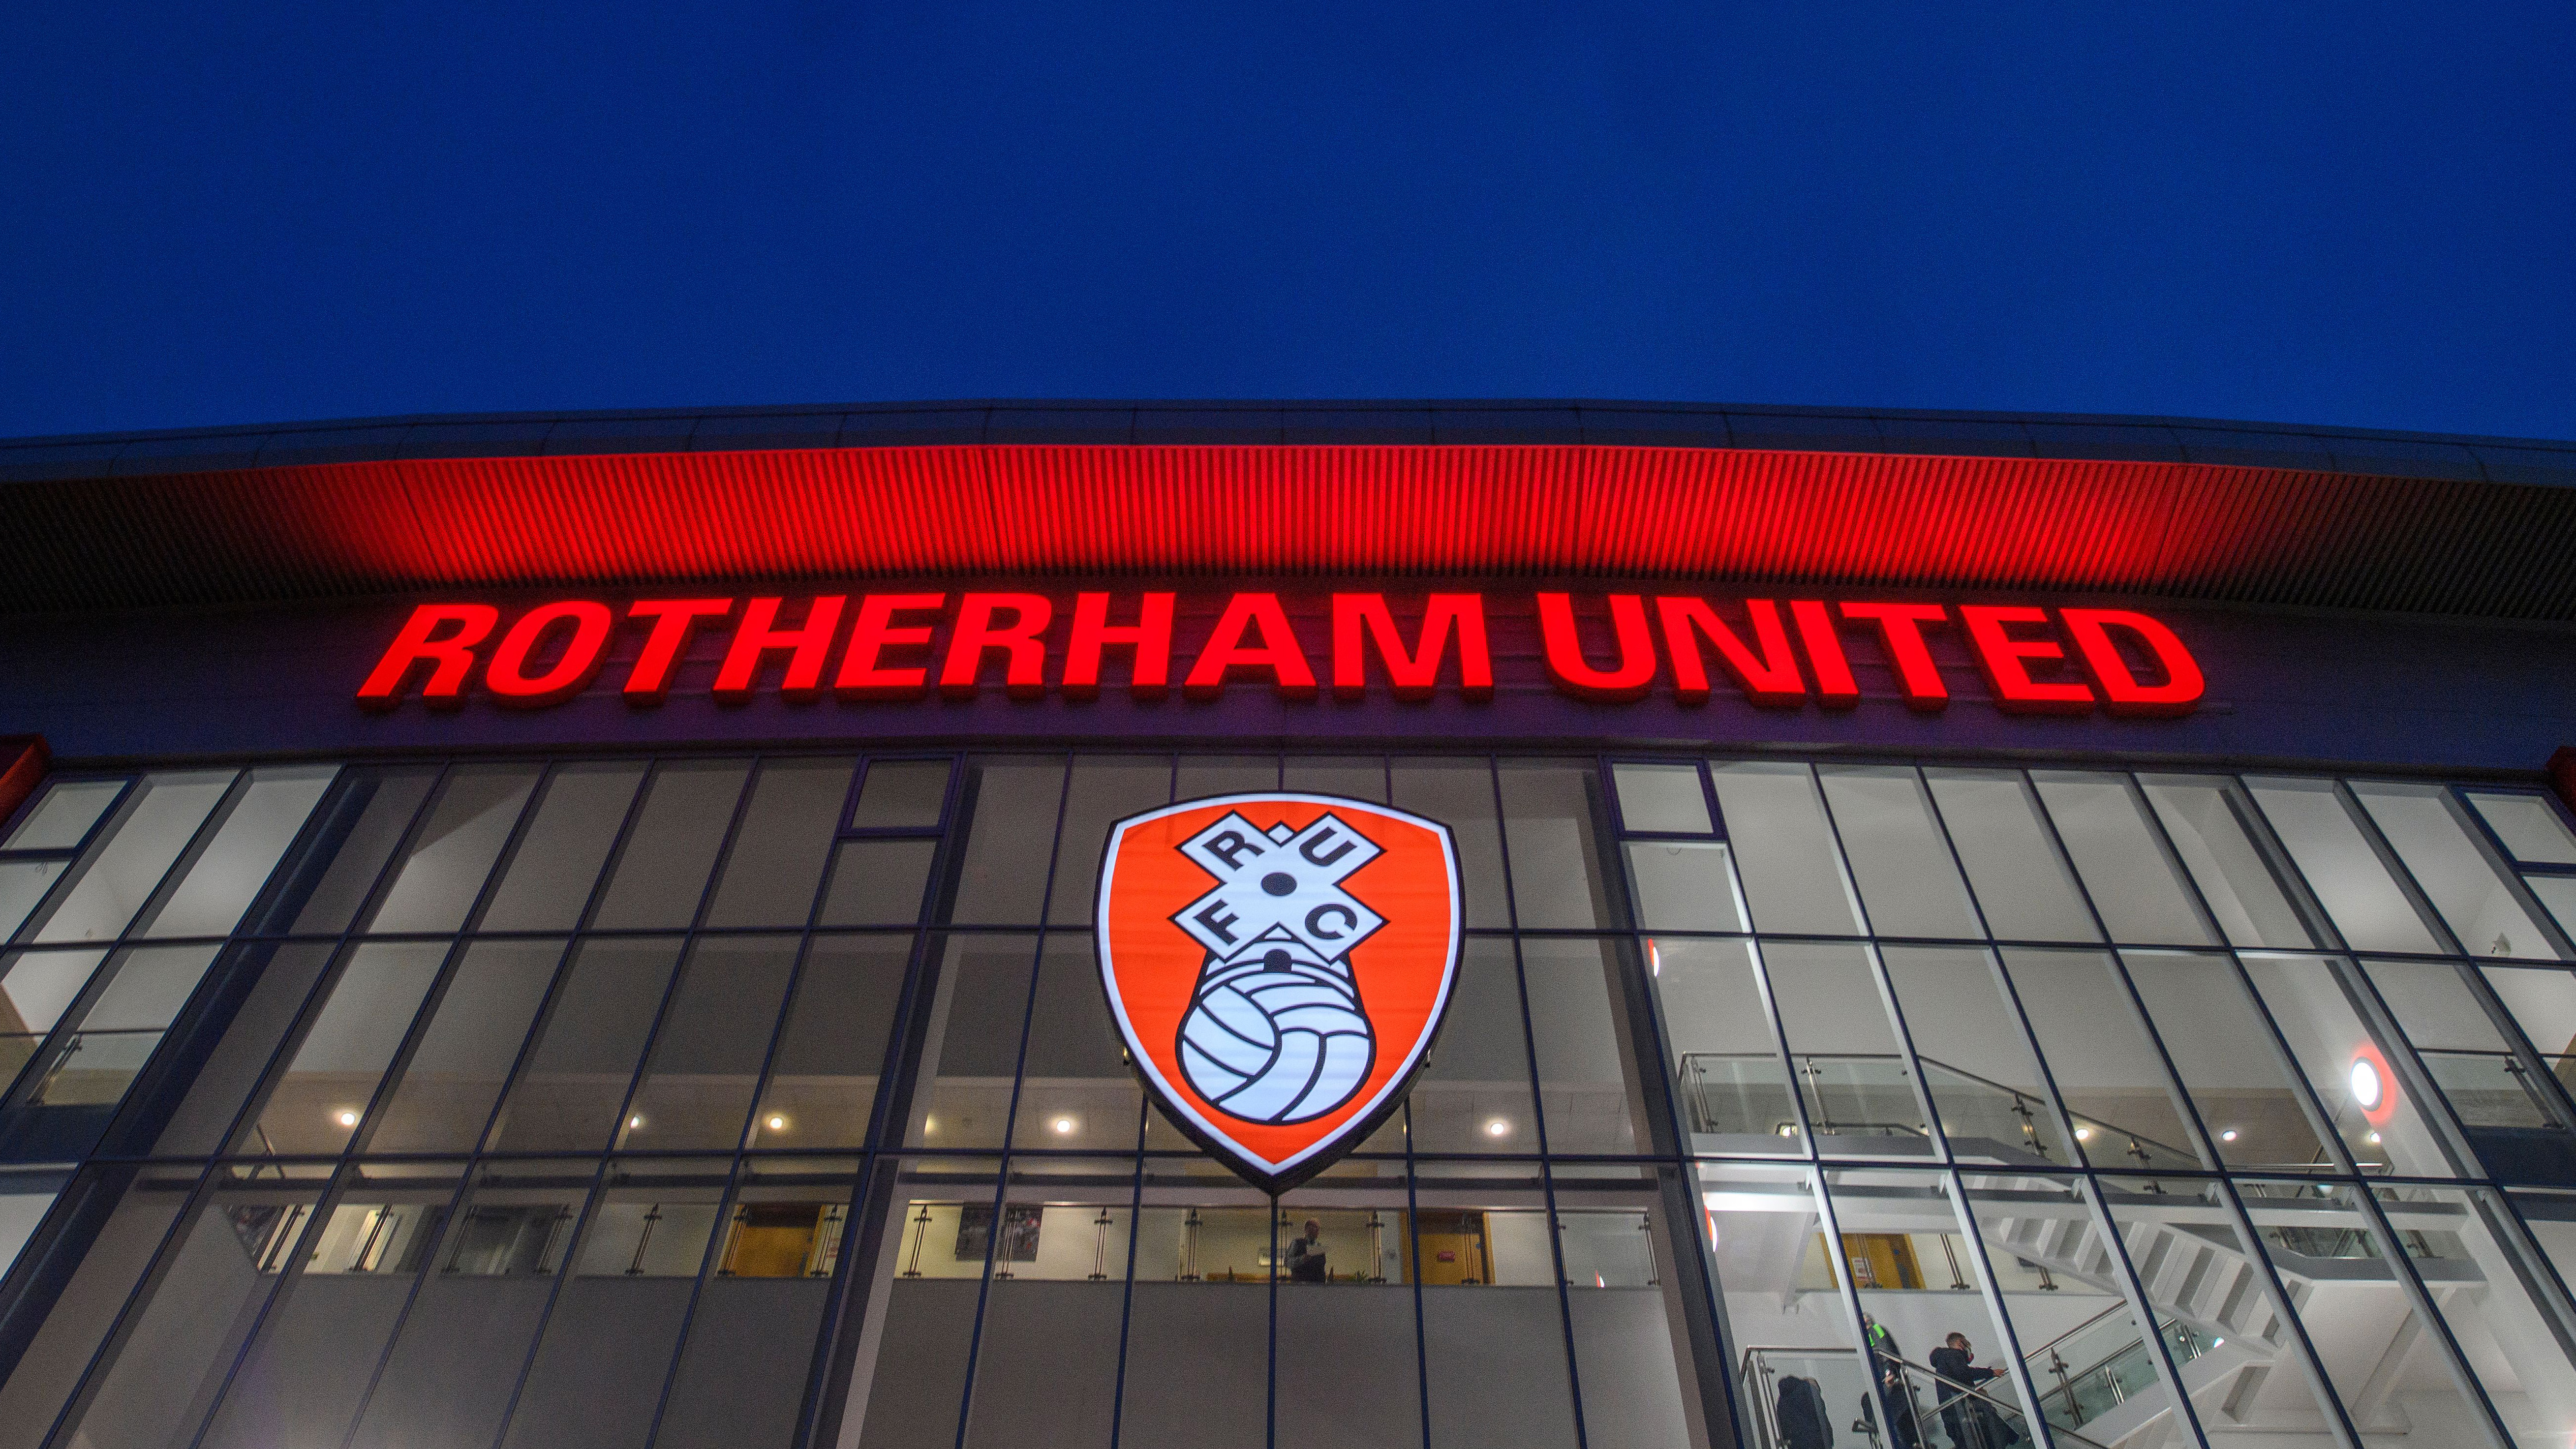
[2180, 530]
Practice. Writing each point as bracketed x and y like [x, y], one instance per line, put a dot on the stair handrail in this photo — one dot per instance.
[1961, 1391]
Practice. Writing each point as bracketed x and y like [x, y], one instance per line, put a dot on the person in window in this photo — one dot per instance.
[1802, 1415]
[1973, 1422]
[1888, 1358]
[1306, 1255]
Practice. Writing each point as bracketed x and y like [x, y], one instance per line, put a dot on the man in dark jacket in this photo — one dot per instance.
[1803, 1422]
[1973, 1422]
[1306, 1255]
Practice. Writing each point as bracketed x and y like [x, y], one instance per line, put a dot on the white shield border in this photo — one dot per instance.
[1279, 1176]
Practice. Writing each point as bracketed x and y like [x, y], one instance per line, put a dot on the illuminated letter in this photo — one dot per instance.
[810, 644]
[1025, 677]
[673, 621]
[2000, 656]
[1900, 628]
[2121, 691]
[1277, 652]
[1413, 674]
[1770, 677]
[507, 675]
[1150, 636]
[1835, 686]
[450, 658]
[1636, 667]
[862, 675]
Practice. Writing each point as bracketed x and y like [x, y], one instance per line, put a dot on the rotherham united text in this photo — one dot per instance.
[1779, 652]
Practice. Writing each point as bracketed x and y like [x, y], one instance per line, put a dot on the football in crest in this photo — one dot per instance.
[1278, 966]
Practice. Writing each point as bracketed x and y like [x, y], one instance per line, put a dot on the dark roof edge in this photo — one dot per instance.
[1532, 421]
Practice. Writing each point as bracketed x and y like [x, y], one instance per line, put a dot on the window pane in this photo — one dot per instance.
[708, 1053]
[2203, 819]
[1579, 1015]
[2315, 1236]
[1046, 1363]
[1734, 1087]
[39, 986]
[2229, 1063]
[1801, 1368]
[1793, 880]
[1684, 885]
[1344, 1320]
[2132, 881]
[568, 1095]
[1976, 1062]
[1556, 867]
[447, 1092]
[1475, 1094]
[2351, 1070]
[264, 818]
[878, 882]
[347, 1042]
[609, 1342]
[63, 815]
[1460, 795]
[1899, 858]
[1076, 1089]
[1494, 1330]
[978, 1010]
[23, 884]
[2342, 871]
[2473, 892]
[204, 1115]
[1860, 1094]
[549, 878]
[786, 834]
[466, 1338]
[2438, 1009]
[2126, 1109]
[198, 1312]
[823, 1084]
[2201, 1274]
[661, 874]
[2557, 895]
[901, 795]
[2528, 826]
[2470, 1058]
[122, 871]
[2510, 1319]
[1010, 841]
[78, 1321]
[742, 1373]
[1661, 799]
[303, 1381]
[370, 816]
[443, 868]
[1102, 792]
[2026, 890]
[920, 1315]
[147, 987]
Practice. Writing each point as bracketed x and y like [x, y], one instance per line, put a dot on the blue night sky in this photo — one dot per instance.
[2350, 215]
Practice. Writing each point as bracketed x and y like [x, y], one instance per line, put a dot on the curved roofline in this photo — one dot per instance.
[1919, 432]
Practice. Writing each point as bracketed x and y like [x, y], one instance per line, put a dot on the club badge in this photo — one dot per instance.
[1278, 965]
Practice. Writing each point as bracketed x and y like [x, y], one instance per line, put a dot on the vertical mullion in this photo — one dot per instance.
[1538, 1104]
[718, 1239]
[2133, 1288]
[1963, 1213]
[564, 1272]
[1127, 1291]
[146, 1283]
[1011, 1113]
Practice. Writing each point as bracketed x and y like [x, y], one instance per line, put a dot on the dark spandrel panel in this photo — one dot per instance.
[2551, 467]
[57, 460]
[800, 430]
[635, 435]
[136, 1219]
[187, 455]
[1617, 427]
[1208, 425]
[1454, 426]
[1792, 432]
[2254, 449]
[913, 429]
[333, 445]
[741, 1379]
[2405, 458]
[1061, 425]
[2142, 443]
[1955, 437]
[1371, 426]
[516, 439]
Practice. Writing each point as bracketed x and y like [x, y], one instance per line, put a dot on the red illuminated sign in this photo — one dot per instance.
[1780, 654]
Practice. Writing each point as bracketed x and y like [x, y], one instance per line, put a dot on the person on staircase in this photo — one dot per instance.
[1973, 1422]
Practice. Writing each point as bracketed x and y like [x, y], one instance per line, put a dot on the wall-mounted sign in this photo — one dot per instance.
[1278, 965]
[1612, 647]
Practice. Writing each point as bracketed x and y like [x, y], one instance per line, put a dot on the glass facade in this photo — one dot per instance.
[773, 1100]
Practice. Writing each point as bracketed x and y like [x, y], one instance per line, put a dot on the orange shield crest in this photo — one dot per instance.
[1277, 965]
